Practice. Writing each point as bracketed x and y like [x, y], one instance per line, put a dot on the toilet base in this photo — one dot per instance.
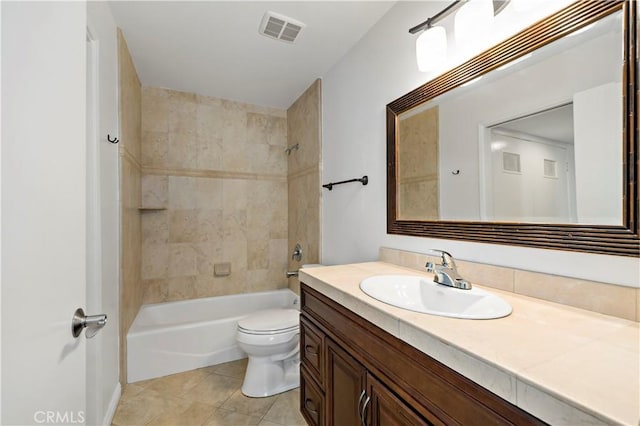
[265, 377]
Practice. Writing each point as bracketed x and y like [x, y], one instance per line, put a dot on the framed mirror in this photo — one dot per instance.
[533, 142]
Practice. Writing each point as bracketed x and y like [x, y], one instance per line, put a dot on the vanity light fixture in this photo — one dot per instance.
[473, 22]
[473, 17]
[431, 48]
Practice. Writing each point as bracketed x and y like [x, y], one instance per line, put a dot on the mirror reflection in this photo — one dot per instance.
[536, 140]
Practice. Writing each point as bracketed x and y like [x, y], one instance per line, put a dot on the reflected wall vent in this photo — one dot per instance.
[280, 27]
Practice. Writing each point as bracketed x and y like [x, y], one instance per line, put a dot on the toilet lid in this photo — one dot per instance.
[270, 321]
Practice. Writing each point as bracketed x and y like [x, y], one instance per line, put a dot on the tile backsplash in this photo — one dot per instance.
[608, 299]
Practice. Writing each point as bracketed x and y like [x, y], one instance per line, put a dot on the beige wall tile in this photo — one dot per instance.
[235, 283]
[304, 127]
[131, 286]
[267, 130]
[487, 275]
[183, 226]
[240, 219]
[155, 261]
[155, 191]
[182, 192]
[257, 254]
[258, 280]
[604, 298]
[234, 225]
[209, 156]
[389, 255]
[182, 288]
[208, 193]
[268, 159]
[130, 101]
[294, 285]
[234, 155]
[207, 255]
[303, 186]
[156, 291]
[183, 112]
[209, 119]
[205, 286]
[155, 227]
[210, 226]
[235, 251]
[234, 194]
[155, 149]
[155, 110]
[182, 260]
[182, 150]
[415, 260]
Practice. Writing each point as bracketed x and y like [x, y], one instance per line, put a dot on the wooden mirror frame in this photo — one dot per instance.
[613, 240]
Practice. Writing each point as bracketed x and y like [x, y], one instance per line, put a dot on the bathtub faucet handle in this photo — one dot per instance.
[297, 253]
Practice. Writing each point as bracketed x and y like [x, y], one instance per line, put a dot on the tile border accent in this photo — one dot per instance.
[212, 174]
[304, 172]
[608, 299]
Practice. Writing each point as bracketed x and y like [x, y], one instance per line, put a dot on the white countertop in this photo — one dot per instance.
[564, 365]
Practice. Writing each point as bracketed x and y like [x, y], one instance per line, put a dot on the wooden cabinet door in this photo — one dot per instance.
[311, 400]
[346, 379]
[386, 409]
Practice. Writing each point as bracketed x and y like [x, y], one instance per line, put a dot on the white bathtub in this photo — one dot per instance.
[168, 338]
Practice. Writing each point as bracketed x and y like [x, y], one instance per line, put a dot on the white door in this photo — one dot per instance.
[44, 201]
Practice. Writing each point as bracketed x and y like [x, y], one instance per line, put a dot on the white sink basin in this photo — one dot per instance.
[420, 294]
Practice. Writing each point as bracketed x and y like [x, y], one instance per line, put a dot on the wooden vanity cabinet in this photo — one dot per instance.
[355, 374]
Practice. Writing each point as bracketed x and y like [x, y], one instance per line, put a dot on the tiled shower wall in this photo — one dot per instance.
[131, 289]
[214, 191]
[304, 128]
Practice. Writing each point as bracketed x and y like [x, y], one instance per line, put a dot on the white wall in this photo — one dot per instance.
[105, 390]
[595, 191]
[379, 69]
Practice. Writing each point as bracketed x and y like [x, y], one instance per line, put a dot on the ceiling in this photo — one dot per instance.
[213, 47]
[555, 124]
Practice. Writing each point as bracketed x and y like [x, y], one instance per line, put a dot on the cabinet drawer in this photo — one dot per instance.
[312, 349]
[311, 400]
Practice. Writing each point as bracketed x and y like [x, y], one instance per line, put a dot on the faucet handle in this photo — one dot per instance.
[447, 258]
[430, 267]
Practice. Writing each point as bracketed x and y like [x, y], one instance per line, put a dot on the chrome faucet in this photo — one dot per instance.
[447, 273]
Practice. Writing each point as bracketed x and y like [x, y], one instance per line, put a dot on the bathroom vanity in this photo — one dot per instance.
[367, 363]
[356, 373]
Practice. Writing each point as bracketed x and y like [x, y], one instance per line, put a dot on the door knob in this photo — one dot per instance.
[93, 323]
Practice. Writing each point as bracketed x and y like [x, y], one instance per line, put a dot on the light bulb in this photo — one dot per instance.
[431, 48]
[473, 22]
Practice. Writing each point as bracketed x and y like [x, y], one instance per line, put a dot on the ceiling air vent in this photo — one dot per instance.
[280, 27]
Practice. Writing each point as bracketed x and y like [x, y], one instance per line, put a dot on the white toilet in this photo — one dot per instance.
[271, 340]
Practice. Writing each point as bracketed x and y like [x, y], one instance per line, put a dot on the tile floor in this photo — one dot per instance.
[207, 396]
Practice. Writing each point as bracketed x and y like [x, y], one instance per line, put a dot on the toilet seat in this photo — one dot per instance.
[270, 322]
